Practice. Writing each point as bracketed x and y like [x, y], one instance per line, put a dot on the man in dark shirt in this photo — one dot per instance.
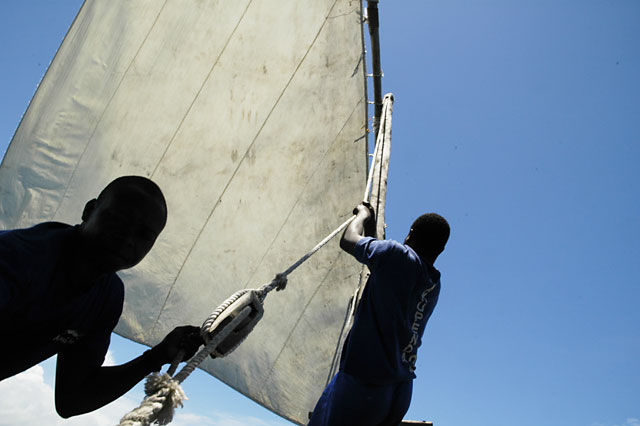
[374, 384]
[59, 294]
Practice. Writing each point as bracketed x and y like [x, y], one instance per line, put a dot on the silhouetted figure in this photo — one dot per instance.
[59, 294]
[374, 383]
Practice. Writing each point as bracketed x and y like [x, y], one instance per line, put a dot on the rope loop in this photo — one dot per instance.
[205, 329]
[248, 306]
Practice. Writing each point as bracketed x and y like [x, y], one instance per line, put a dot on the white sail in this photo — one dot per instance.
[251, 116]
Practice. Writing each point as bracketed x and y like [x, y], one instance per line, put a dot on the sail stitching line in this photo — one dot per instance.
[204, 82]
[253, 142]
[113, 95]
[318, 164]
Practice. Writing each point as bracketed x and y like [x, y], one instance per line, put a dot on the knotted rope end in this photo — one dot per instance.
[164, 395]
[280, 281]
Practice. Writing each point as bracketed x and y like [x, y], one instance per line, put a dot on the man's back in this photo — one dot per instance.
[398, 299]
[38, 318]
[374, 384]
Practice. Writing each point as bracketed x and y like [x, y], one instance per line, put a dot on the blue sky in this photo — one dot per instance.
[520, 123]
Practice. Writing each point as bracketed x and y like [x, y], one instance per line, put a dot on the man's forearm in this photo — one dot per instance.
[81, 387]
[79, 394]
[353, 234]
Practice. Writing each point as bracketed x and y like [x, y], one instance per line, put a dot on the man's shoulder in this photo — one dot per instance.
[28, 245]
[381, 244]
[371, 251]
[41, 231]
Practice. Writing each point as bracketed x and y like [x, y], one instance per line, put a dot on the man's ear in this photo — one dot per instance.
[88, 209]
[409, 236]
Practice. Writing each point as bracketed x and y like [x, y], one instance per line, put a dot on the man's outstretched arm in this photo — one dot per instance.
[82, 387]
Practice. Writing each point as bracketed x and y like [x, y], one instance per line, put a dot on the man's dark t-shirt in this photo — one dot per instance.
[397, 301]
[37, 320]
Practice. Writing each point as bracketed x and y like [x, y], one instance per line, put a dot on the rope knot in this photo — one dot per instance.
[280, 281]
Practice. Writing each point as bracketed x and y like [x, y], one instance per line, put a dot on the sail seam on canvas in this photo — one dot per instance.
[286, 219]
[197, 95]
[106, 107]
[249, 148]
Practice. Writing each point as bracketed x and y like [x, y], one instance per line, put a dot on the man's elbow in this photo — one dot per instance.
[348, 243]
[345, 245]
[68, 406]
[65, 410]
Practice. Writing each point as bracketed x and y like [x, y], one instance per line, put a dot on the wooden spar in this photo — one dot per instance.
[373, 23]
[379, 187]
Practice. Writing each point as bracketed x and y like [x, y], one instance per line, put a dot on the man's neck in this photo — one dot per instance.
[82, 268]
[429, 260]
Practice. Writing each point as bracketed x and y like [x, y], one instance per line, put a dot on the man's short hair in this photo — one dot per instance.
[146, 185]
[430, 232]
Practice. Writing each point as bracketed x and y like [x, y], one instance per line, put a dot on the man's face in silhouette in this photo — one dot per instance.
[122, 226]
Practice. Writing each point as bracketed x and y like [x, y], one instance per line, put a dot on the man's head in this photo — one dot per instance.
[428, 235]
[122, 224]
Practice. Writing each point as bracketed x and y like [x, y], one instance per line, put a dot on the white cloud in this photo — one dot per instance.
[27, 400]
[109, 359]
[221, 419]
[24, 395]
[630, 421]
[190, 419]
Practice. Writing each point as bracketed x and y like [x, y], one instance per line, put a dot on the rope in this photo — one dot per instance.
[163, 392]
